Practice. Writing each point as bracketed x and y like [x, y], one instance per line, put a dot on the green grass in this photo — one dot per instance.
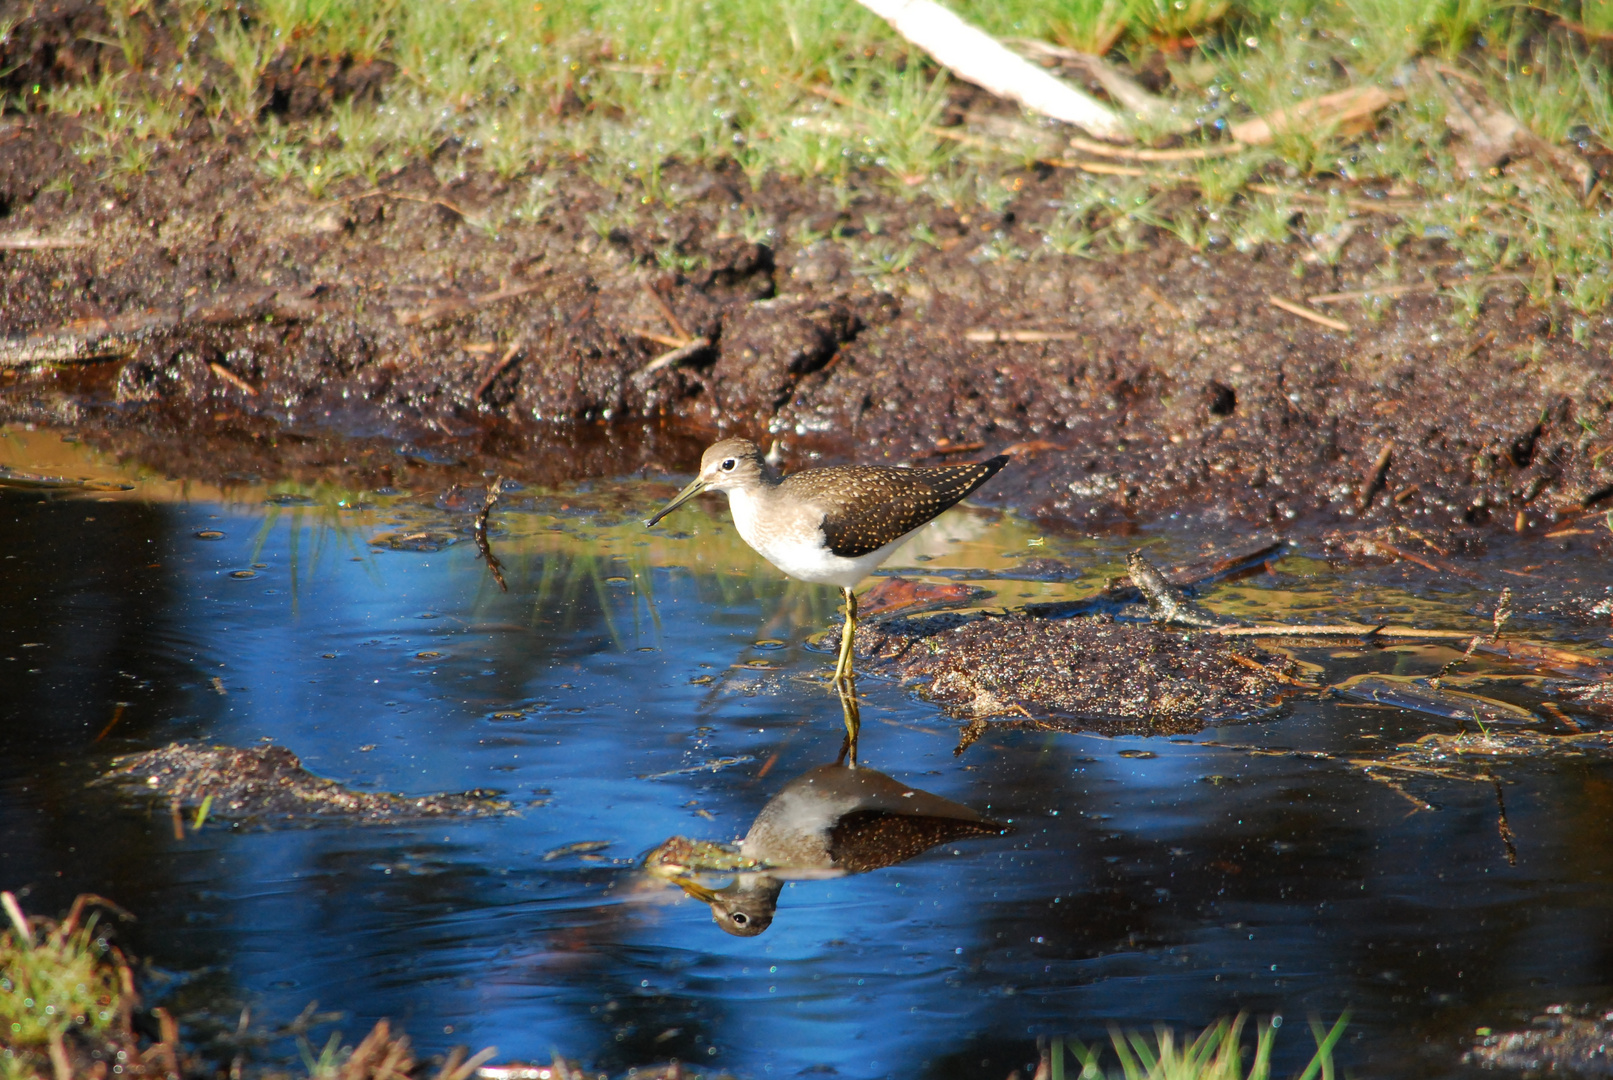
[1217, 1053]
[57, 980]
[822, 90]
[66, 994]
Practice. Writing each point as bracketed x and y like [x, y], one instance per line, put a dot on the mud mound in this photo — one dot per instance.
[1563, 1040]
[264, 783]
[1101, 675]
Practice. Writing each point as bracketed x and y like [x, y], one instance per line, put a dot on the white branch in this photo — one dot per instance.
[980, 58]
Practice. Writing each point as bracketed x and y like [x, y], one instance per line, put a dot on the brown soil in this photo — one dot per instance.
[212, 301]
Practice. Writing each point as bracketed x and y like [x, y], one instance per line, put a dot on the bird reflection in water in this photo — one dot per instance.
[831, 821]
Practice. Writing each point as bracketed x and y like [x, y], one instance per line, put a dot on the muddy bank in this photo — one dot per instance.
[198, 296]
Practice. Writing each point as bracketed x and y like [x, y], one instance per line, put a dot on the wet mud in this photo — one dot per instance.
[267, 785]
[201, 296]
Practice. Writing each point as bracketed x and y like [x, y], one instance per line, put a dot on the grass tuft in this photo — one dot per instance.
[1217, 1053]
[59, 982]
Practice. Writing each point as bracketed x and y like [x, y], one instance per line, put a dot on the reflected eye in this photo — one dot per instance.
[740, 918]
[728, 464]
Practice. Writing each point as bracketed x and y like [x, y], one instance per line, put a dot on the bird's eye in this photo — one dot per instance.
[740, 918]
[728, 464]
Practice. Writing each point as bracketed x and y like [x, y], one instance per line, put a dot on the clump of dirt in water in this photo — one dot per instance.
[1562, 1040]
[268, 783]
[1095, 674]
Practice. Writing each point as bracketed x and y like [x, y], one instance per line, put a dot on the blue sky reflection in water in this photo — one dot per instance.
[635, 685]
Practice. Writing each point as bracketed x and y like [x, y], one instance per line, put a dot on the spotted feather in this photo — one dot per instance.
[868, 506]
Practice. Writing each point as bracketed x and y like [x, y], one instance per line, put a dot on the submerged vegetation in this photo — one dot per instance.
[333, 96]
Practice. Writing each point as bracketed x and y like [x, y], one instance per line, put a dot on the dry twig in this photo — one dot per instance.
[1103, 168]
[1371, 206]
[1122, 88]
[998, 336]
[483, 547]
[21, 242]
[443, 309]
[1334, 630]
[1406, 290]
[233, 379]
[1306, 313]
[667, 313]
[498, 368]
[31, 351]
[661, 339]
[682, 352]
[1373, 482]
[1351, 108]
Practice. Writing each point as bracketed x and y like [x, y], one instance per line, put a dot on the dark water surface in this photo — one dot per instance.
[632, 685]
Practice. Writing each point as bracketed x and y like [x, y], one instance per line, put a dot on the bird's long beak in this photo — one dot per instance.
[695, 889]
[695, 487]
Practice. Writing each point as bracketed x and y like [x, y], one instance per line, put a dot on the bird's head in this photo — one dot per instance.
[726, 465]
[746, 908]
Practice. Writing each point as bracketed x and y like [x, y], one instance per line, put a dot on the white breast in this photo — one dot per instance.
[792, 540]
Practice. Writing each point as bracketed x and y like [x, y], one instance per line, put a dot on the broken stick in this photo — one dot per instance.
[1000, 336]
[498, 369]
[1306, 313]
[681, 353]
[484, 548]
[1373, 482]
[983, 60]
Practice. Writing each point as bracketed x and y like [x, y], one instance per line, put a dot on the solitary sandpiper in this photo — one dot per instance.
[832, 821]
[829, 526]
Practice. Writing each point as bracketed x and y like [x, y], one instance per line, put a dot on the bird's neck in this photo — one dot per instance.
[770, 477]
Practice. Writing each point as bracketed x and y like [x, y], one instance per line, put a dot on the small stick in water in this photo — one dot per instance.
[482, 546]
[1501, 825]
[1503, 612]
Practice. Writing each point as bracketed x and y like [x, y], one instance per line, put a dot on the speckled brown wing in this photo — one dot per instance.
[865, 840]
[868, 506]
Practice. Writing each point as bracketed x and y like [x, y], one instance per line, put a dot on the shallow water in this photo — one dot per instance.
[636, 684]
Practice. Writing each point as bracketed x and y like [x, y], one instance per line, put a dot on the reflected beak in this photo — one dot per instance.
[695, 889]
[695, 487]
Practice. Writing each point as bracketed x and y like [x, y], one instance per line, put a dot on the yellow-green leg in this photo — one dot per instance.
[848, 704]
[847, 636]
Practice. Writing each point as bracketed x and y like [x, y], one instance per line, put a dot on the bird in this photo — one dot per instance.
[831, 821]
[829, 526]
